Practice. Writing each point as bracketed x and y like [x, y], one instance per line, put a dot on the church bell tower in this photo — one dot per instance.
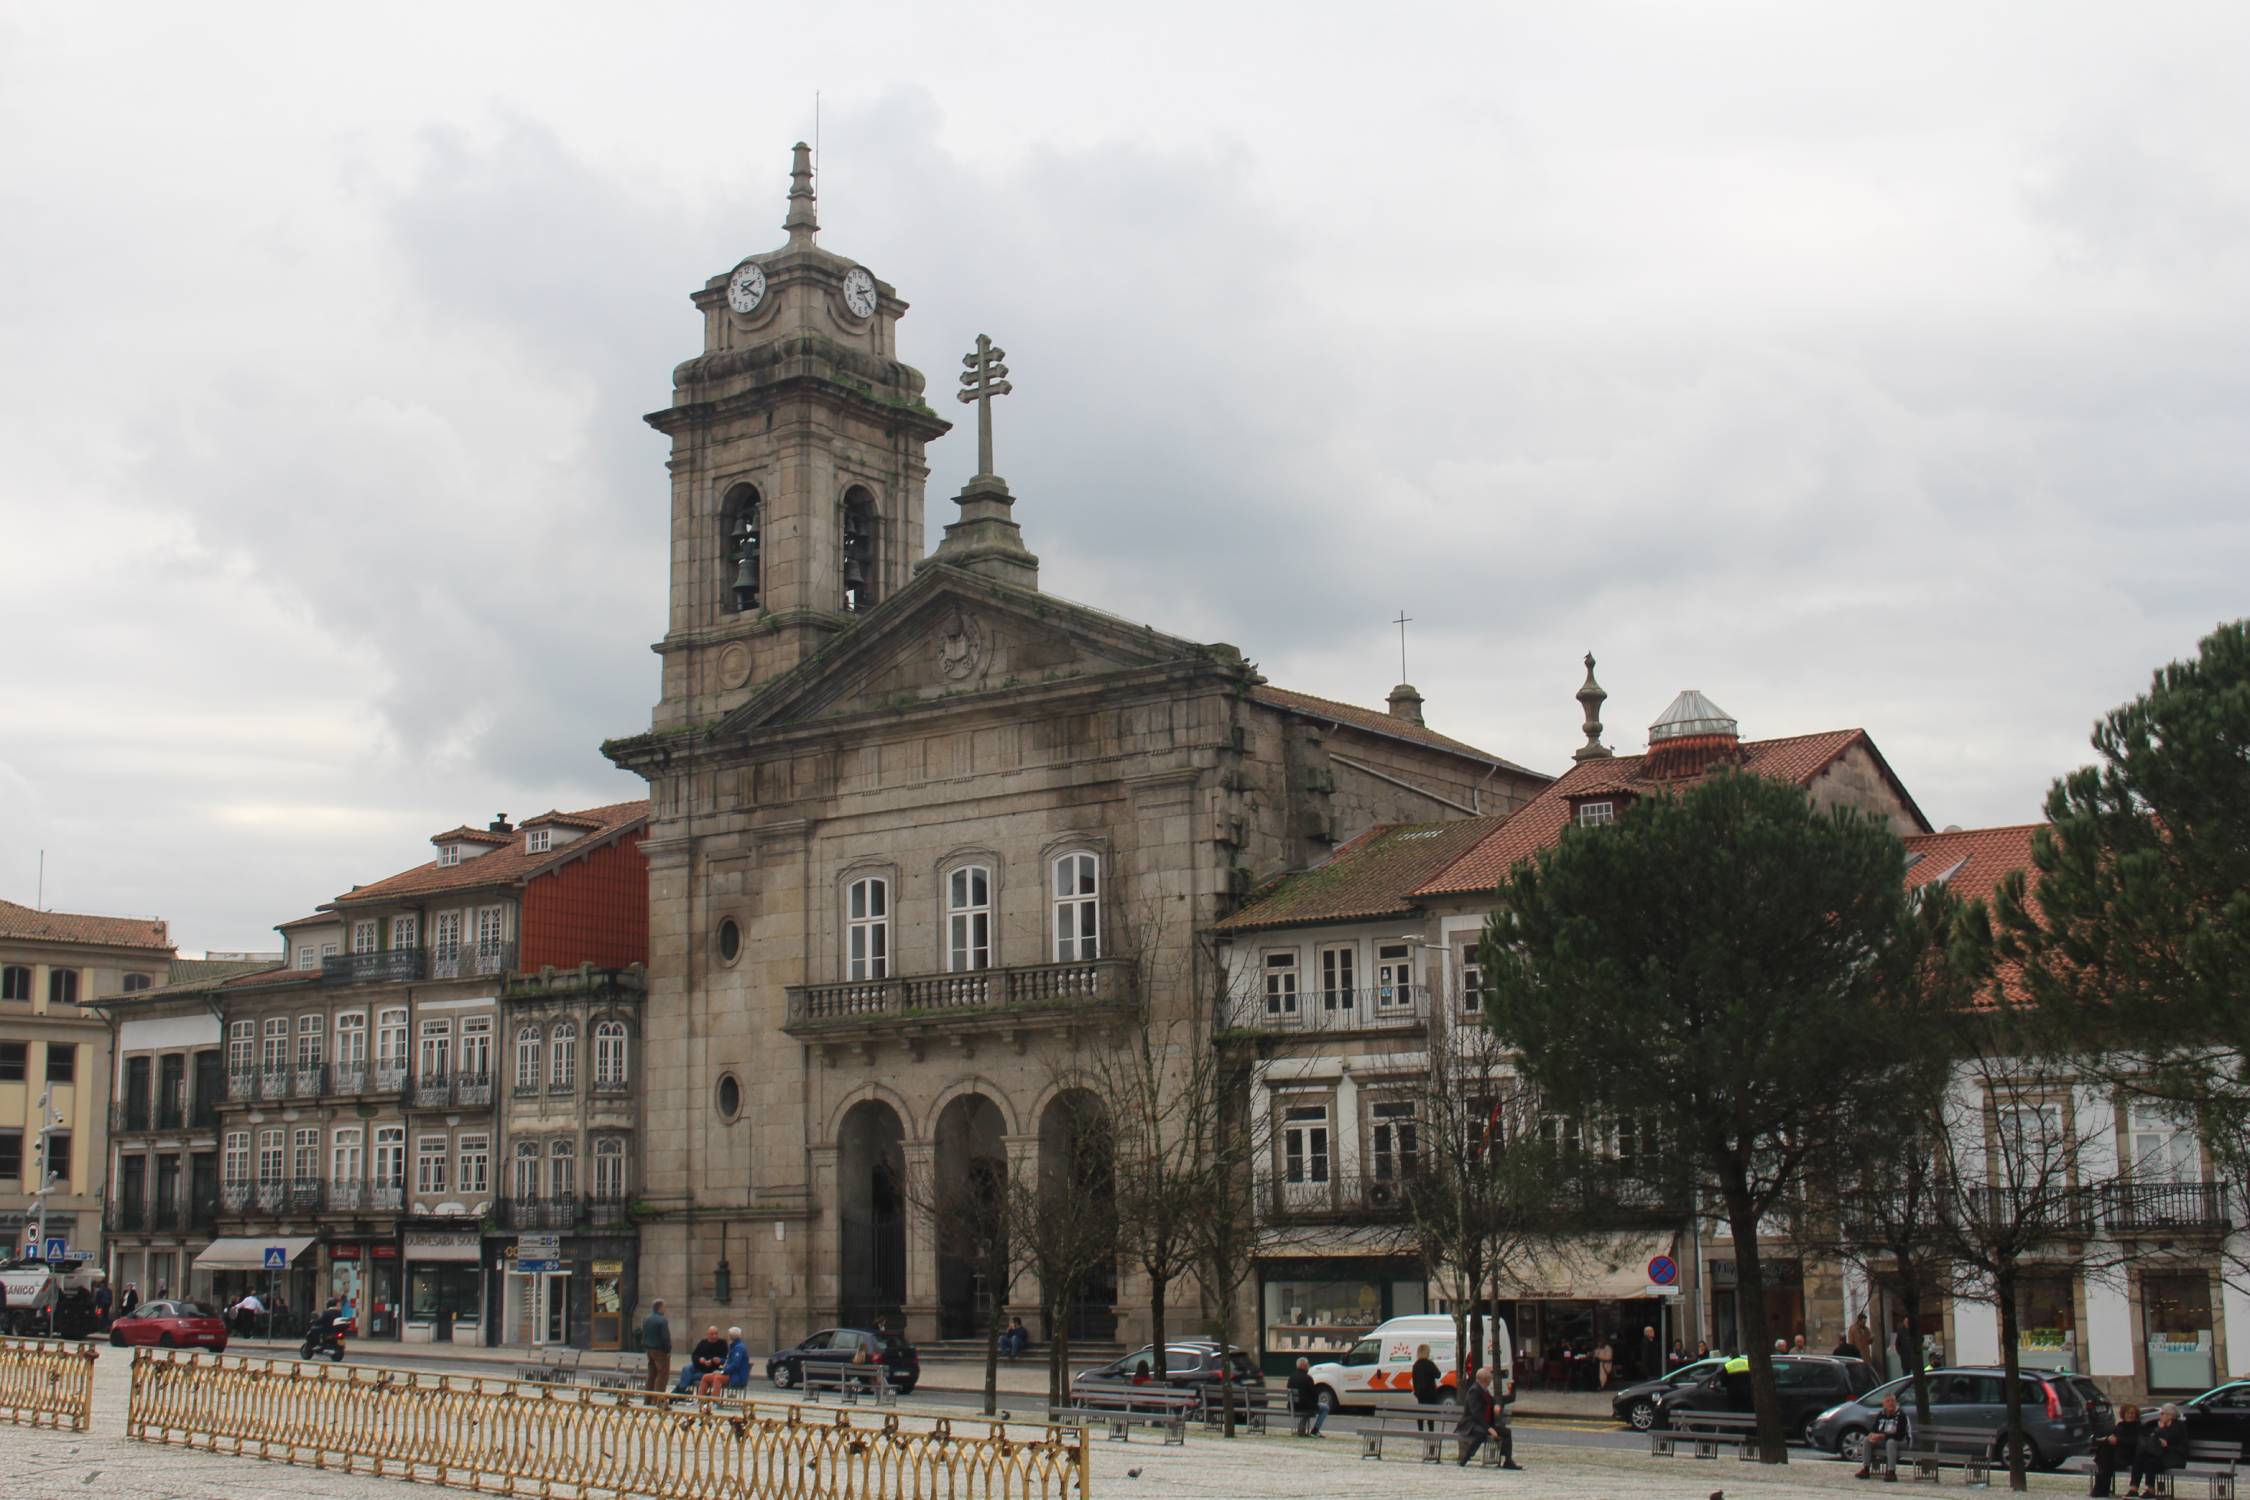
[797, 466]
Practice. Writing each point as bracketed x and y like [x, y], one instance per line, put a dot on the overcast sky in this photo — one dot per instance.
[1859, 364]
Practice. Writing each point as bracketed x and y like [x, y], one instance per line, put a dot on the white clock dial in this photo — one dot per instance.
[746, 288]
[859, 292]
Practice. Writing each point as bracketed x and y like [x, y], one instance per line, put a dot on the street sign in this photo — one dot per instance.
[58, 1249]
[538, 1247]
[537, 1267]
[1668, 1289]
[277, 1258]
[1663, 1271]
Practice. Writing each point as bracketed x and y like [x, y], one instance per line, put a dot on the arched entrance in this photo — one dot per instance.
[971, 1183]
[1074, 1158]
[871, 1216]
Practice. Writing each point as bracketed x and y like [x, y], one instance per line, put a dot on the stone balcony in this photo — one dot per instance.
[958, 1005]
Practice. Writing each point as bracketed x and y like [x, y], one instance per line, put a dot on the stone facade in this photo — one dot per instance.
[928, 844]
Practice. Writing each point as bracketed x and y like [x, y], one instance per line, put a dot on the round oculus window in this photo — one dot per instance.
[730, 941]
[730, 1097]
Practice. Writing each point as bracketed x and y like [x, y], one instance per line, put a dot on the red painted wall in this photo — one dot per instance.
[592, 910]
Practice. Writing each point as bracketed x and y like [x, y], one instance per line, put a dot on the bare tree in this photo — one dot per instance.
[1065, 1222]
[1231, 1230]
[971, 1209]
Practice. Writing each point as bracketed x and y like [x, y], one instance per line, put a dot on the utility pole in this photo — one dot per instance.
[48, 1120]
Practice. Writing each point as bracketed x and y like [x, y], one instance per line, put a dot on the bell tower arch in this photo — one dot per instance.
[797, 466]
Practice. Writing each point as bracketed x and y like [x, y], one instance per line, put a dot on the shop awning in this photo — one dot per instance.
[1596, 1268]
[249, 1254]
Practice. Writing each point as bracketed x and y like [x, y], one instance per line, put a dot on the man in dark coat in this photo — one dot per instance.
[1304, 1400]
[1484, 1419]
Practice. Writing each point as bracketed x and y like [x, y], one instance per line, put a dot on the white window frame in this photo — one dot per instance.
[1597, 814]
[448, 855]
[351, 1039]
[609, 1170]
[306, 957]
[562, 1170]
[363, 935]
[445, 935]
[433, 1052]
[273, 1050]
[473, 1060]
[538, 840]
[1394, 1139]
[867, 929]
[611, 1054]
[531, 1049]
[329, 950]
[2163, 1146]
[1308, 1143]
[235, 1159]
[304, 1154]
[272, 1155]
[242, 1048]
[489, 928]
[526, 1173]
[472, 1168]
[1074, 887]
[1339, 976]
[562, 1056]
[387, 1160]
[1472, 980]
[344, 1159]
[430, 1164]
[312, 1033]
[1394, 977]
[406, 930]
[1278, 967]
[391, 1039]
[968, 918]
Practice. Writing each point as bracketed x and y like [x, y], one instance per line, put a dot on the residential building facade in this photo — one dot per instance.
[51, 1049]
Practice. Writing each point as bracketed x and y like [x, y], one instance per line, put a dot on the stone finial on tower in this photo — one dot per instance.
[1591, 698]
[802, 224]
[986, 539]
[1406, 703]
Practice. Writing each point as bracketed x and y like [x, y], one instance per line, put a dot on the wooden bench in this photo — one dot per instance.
[1256, 1409]
[1704, 1433]
[2211, 1464]
[1167, 1411]
[1934, 1447]
[850, 1382]
[1432, 1428]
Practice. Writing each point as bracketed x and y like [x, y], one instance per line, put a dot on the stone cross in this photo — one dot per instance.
[985, 378]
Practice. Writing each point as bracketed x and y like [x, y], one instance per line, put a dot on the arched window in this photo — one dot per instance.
[525, 1183]
[562, 1171]
[859, 550]
[15, 982]
[740, 519]
[1078, 908]
[968, 919]
[562, 1058]
[867, 926]
[527, 1060]
[609, 1055]
[609, 1170]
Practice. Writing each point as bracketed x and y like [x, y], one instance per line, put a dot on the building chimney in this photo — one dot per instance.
[1591, 698]
[500, 824]
[1406, 703]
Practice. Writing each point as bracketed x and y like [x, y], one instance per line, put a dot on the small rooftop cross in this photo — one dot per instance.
[1404, 619]
[984, 379]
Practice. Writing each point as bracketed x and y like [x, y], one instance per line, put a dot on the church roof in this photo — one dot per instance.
[1798, 759]
[1376, 721]
[1372, 876]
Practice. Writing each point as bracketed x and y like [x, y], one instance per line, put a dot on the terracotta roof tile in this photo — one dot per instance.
[29, 924]
[467, 835]
[317, 919]
[566, 820]
[1971, 861]
[1540, 822]
[1372, 876]
[1374, 721]
[509, 866]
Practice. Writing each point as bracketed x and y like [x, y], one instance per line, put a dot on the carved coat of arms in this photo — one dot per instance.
[960, 645]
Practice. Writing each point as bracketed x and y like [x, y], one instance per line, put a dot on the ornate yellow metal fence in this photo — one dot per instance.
[515, 1437]
[47, 1383]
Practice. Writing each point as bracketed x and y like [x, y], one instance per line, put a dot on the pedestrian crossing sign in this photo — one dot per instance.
[277, 1258]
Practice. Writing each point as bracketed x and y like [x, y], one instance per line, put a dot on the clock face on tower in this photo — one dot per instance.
[859, 292]
[746, 288]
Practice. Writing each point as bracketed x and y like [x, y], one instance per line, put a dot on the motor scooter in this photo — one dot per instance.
[328, 1340]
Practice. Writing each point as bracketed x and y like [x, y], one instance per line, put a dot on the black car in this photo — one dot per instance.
[1189, 1364]
[2220, 1415]
[1808, 1385]
[1635, 1404]
[834, 1348]
[2062, 1413]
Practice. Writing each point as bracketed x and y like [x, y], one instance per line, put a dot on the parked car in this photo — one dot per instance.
[2062, 1414]
[171, 1325]
[1378, 1370]
[1635, 1404]
[835, 1348]
[1189, 1364]
[2220, 1415]
[1808, 1384]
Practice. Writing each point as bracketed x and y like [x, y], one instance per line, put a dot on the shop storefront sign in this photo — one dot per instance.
[437, 1245]
[609, 1268]
[344, 1252]
[384, 1251]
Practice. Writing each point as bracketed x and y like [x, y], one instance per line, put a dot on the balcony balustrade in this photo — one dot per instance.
[305, 1195]
[347, 1078]
[346, 1197]
[386, 1197]
[616, 1084]
[242, 1087]
[390, 966]
[390, 1076]
[309, 1081]
[171, 1114]
[608, 1213]
[1321, 1193]
[2131, 1207]
[273, 1083]
[1390, 1007]
[472, 1089]
[235, 1197]
[271, 1195]
[473, 960]
[432, 1091]
[563, 1086]
[166, 1218]
[537, 1213]
[1024, 990]
[130, 1115]
[124, 1215]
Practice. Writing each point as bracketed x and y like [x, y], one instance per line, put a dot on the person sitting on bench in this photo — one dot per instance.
[2114, 1449]
[1884, 1440]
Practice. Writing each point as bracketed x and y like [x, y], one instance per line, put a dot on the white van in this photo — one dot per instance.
[1379, 1370]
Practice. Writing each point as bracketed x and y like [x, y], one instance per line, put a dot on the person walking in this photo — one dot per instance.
[1862, 1337]
[1652, 1355]
[2163, 1446]
[1484, 1419]
[130, 1300]
[656, 1343]
[1605, 1360]
[1429, 1382]
[1304, 1400]
[2114, 1449]
[1884, 1440]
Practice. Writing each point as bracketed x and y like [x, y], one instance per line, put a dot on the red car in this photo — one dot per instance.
[171, 1325]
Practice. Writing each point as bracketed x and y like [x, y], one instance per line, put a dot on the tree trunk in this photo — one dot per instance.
[1910, 1296]
[992, 1359]
[2004, 1285]
[1156, 1322]
[1750, 1298]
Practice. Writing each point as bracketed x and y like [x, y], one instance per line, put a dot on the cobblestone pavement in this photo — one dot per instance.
[41, 1465]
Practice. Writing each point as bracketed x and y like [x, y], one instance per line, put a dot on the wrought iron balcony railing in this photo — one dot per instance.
[2130, 1206]
[1366, 1008]
[472, 1089]
[386, 1197]
[472, 960]
[984, 992]
[608, 1213]
[273, 1083]
[537, 1213]
[390, 966]
[390, 1075]
[432, 1091]
[235, 1197]
[124, 1215]
[564, 1086]
[347, 1077]
[1318, 1192]
[242, 1087]
[305, 1195]
[129, 1116]
[309, 1081]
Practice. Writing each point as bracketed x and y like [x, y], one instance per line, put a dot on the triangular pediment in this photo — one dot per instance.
[951, 634]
